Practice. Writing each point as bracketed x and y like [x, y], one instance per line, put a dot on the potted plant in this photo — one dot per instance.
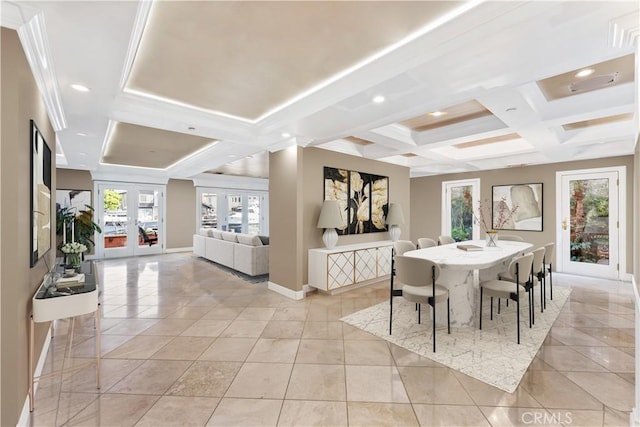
[76, 226]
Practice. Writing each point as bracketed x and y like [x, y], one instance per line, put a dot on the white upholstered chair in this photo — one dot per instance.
[399, 248]
[444, 240]
[417, 278]
[520, 269]
[547, 264]
[425, 242]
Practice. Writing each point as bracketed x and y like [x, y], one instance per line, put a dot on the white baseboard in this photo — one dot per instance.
[25, 414]
[289, 293]
[176, 250]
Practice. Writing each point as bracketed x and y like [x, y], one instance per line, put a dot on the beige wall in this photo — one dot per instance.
[20, 103]
[426, 201]
[72, 179]
[636, 216]
[296, 191]
[180, 217]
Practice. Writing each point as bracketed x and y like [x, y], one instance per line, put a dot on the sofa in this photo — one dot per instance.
[245, 253]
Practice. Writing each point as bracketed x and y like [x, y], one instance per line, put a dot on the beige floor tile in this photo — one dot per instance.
[572, 336]
[351, 333]
[433, 385]
[274, 350]
[297, 413]
[609, 357]
[206, 379]
[567, 359]
[256, 313]
[112, 371]
[317, 382]
[114, 409]
[245, 329]
[322, 330]
[206, 328]
[130, 326]
[139, 347]
[283, 329]
[500, 416]
[290, 313]
[611, 336]
[582, 418]
[179, 411]
[449, 415]
[183, 348]
[190, 312]
[168, 327]
[222, 313]
[261, 380]
[321, 351]
[152, 377]
[375, 384]
[608, 388]
[487, 395]
[554, 391]
[615, 418]
[367, 353]
[246, 413]
[229, 349]
[380, 414]
[108, 343]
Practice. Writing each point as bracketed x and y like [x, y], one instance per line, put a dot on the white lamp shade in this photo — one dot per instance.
[395, 215]
[330, 215]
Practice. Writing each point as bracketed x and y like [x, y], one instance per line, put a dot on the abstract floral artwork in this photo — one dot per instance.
[363, 199]
[523, 201]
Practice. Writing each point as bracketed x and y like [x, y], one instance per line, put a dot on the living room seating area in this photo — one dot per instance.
[246, 253]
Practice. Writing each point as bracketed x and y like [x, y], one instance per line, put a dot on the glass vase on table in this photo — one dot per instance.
[492, 238]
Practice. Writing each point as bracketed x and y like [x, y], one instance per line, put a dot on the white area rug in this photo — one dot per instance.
[490, 355]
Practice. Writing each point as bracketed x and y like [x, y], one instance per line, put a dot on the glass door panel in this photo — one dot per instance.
[148, 232]
[253, 215]
[459, 199]
[589, 224]
[234, 212]
[209, 210]
[115, 219]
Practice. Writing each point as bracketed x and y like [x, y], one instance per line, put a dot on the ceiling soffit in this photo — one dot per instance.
[196, 53]
[141, 146]
[256, 166]
[455, 114]
[599, 121]
[605, 74]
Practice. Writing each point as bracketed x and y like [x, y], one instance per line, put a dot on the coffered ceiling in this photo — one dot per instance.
[177, 89]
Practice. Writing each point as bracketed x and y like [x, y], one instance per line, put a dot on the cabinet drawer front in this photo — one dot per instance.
[366, 264]
[340, 269]
[384, 261]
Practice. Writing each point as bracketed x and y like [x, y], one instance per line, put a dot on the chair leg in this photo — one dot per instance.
[434, 326]
[498, 305]
[550, 282]
[541, 297]
[531, 306]
[491, 308]
[480, 307]
[518, 317]
[419, 307]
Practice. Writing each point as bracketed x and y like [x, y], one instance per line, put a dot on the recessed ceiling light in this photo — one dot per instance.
[437, 113]
[511, 109]
[584, 73]
[379, 99]
[81, 134]
[191, 128]
[82, 154]
[286, 134]
[80, 88]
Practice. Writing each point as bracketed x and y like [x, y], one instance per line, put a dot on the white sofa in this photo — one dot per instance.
[243, 252]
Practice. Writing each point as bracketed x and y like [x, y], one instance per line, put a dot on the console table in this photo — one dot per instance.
[349, 266]
[53, 301]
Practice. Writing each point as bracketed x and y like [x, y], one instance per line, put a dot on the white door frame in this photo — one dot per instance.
[132, 248]
[622, 216]
[446, 211]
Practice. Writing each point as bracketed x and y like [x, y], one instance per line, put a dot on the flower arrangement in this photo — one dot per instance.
[72, 251]
[501, 216]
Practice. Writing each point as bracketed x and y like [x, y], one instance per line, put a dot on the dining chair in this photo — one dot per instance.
[520, 269]
[399, 248]
[444, 240]
[425, 242]
[511, 237]
[418, 278]
[547, 263]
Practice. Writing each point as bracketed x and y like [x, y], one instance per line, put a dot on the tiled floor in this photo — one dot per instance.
[186, 343]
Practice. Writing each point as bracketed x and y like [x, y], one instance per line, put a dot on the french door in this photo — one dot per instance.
[459, 199]
[589, 222]
[131, 217]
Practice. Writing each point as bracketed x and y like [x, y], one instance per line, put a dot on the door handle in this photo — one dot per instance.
[564, 224]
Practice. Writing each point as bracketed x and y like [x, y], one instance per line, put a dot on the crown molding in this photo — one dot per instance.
[33, 37]
[142, 15]
[231, 181]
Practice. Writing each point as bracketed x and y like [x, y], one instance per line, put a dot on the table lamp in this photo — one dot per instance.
[395, 219]
[330, 218]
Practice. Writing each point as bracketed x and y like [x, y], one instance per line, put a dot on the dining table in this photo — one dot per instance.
[462, 270]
